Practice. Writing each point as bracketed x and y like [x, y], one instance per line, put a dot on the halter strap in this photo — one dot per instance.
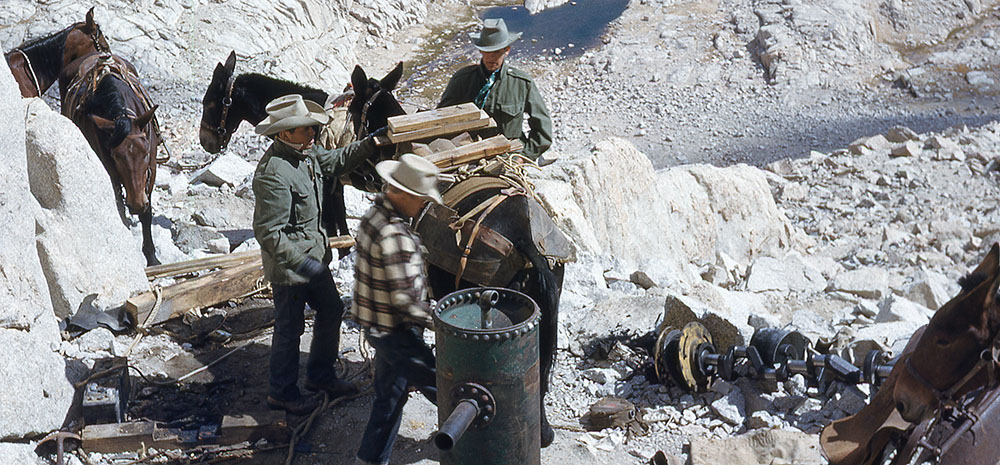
[364, 113]
[31, 70]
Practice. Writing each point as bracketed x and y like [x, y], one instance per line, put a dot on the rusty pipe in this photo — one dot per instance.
[454, 427]
[488, 301]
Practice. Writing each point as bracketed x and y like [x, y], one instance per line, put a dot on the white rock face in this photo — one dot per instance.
[670, 218]
[309, 41]
[82, 244]
[34, 397]
[20, 454]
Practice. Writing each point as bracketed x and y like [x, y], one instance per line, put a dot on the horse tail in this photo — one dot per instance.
[123, 126]
[546, 294]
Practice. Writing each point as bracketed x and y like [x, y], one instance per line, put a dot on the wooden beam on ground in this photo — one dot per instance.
[132, 436]
[471, 153]
[204, 291]
[483, 122]
[224, 261]
[437, 117]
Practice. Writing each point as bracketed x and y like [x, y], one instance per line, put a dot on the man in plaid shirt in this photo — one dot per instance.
[390, 297]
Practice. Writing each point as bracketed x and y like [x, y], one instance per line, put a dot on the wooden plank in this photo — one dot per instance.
[472, 152]
[224, 261]
[483, 122]
[132, 436]
[203, 291]
[437, 117]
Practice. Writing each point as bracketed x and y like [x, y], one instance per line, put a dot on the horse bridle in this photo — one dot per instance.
[227, 102]
[364, 113]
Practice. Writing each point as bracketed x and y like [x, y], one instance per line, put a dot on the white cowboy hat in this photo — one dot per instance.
[412, 174]
[290, 112]
[494, 36]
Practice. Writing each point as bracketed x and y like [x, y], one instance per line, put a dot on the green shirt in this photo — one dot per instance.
[513, 95]
[286, 218]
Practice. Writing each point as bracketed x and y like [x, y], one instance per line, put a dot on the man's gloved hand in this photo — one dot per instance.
[378, 132]
[310, 268]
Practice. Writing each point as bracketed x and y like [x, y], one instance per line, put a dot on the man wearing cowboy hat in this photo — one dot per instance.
[390, 299]
[295, 249]
[503, 91]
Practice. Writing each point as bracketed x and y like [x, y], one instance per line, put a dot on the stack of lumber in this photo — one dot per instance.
[238, 275]
[434, 123]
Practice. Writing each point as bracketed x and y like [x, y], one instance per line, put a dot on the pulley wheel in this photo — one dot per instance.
[695, 340]
[777, 346]
[666, 355]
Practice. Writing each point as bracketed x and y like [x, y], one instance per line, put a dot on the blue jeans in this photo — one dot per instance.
[402, 360]
[289, 323]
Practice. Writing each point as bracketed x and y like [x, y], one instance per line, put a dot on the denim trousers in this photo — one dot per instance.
[402, 361]
[289, 323]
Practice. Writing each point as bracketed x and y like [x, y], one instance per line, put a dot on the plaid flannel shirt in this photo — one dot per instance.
[389, 274]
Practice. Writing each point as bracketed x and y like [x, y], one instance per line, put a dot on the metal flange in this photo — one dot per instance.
[666, 356]
[481, 396]
[694, 344]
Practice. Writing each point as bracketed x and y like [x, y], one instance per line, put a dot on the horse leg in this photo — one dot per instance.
[148, 249]
[335, 215]
[543, 286]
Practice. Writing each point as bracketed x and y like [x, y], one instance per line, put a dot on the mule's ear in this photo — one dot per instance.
[144, 119]
[90, 18]
[231, 62]
[102, 123]
[390, 80]
[991, 264]
[359, 79]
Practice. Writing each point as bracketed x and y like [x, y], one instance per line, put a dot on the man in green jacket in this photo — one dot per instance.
[503, 91]
[295, 249]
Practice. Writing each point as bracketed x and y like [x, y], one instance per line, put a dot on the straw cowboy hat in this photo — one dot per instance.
[412, 174]
[494, 36]
[290, 112]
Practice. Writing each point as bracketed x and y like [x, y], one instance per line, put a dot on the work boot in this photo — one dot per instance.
[334, 389]
[301, 406]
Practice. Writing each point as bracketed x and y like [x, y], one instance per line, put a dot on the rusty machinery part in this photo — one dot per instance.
[695, 344]
[690, 360]
[666, 359]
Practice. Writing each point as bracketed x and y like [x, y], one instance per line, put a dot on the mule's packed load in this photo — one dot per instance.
[446, 136]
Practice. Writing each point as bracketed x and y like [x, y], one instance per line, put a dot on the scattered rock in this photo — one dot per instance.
[227, 169]
[869, 283]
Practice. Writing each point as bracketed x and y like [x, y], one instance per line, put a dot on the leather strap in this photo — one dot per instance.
[497, 200]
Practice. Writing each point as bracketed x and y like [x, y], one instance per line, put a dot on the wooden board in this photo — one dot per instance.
[437, 117]
[203, 291]
[483, 122]
[224, 261]
[132, 436]
[470, 153]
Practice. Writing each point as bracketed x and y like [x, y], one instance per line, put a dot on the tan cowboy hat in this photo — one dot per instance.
[412, 174]
[494, 36]
[290, 112]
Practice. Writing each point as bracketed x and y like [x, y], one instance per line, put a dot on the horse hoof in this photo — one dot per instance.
[548, 435]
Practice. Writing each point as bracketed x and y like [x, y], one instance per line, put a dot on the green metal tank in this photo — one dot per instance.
[487, 378]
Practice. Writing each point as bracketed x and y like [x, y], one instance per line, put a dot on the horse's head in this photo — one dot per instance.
[373, 102]
[84, 38]
[132, 147]
[216, 125]
[945, 363]
[370, 110]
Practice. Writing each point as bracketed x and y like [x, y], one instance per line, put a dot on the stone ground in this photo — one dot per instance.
[719, 82]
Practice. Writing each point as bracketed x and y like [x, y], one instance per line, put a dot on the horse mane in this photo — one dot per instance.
[971, 281]
[46, 52]
[256, 90]
[108, 102]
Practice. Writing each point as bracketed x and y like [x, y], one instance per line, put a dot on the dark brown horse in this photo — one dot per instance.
[954, 355]
[942, 400]
[102, 94]
[373, 104]
[36, 64]
[231, 100]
